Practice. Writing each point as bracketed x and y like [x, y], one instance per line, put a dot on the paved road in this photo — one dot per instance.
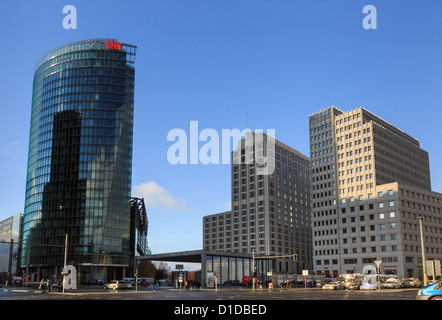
[231, 303]
[207, 294]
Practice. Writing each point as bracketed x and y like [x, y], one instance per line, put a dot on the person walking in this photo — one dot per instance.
[42, 285]
[48, 284]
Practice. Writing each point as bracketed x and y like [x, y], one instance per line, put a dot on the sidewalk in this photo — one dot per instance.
[18, 289]
[96, 289]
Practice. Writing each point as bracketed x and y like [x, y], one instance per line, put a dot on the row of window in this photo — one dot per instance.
[357, 250]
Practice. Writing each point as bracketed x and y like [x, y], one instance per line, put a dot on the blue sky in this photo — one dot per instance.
[213, 61]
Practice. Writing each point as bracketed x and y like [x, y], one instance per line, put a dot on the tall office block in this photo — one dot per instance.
[270, 212]
[363, 172]
[80, 161]
[10, 231]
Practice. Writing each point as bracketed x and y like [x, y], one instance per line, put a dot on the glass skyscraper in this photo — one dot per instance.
[80, 162]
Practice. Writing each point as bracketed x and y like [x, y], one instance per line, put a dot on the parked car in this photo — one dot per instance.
[354, 285]
[410, 283]
[118, 284]
[333, 286]
[431, 292]
[233, 283]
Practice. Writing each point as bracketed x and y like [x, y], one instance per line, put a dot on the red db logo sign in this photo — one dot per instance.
[114, 45]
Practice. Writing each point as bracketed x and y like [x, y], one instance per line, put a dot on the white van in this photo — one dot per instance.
[130, 280]
[147, 280]
[164, 282]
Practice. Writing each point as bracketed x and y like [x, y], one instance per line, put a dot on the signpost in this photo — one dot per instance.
[378, 264]
[305, 274]
[180, 279]
[433, 268]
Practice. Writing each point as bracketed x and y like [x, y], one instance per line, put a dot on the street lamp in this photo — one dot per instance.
[65, 259]
[424, 262]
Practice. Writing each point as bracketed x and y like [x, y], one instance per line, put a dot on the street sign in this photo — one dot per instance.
[437, 267]
[433, 268]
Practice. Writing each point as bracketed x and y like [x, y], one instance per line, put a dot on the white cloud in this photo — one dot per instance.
[156, 197]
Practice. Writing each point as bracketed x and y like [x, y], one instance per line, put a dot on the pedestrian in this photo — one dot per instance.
[42, 285]
[48, 284]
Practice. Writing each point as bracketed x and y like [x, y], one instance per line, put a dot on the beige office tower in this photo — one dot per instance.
[270, 206]
[370, 184]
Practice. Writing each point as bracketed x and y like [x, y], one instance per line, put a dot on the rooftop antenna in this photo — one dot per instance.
[247, 121]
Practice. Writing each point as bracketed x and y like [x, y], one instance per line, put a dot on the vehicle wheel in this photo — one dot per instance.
[436, 298]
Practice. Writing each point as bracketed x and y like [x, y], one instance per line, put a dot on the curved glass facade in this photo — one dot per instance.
[80, 161]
